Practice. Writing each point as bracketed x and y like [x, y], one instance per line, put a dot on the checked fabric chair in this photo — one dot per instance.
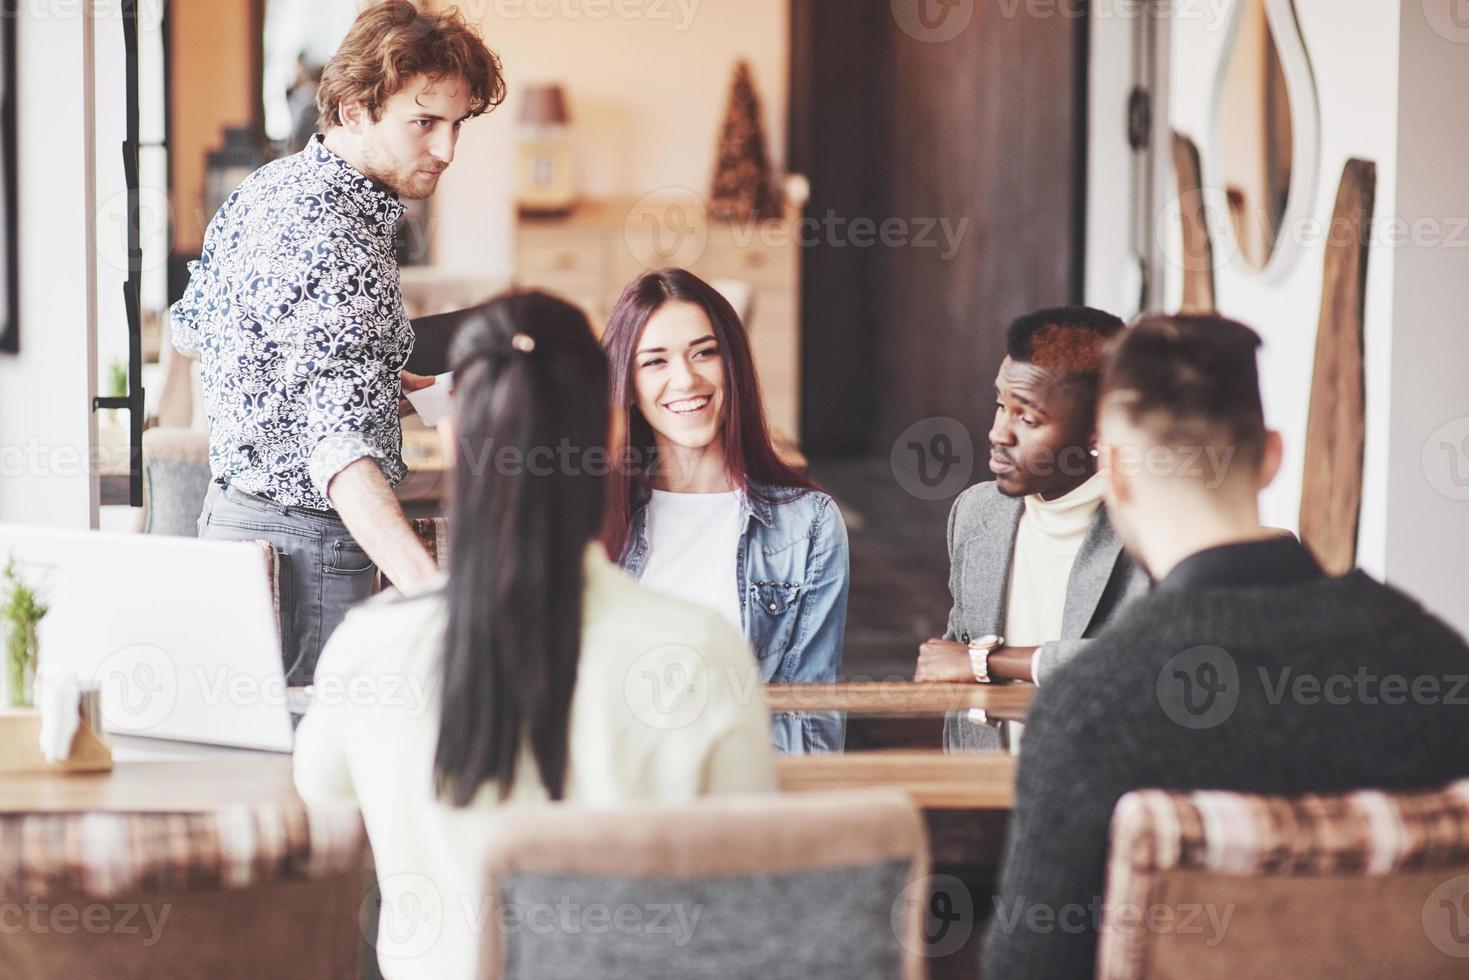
[1362, 884]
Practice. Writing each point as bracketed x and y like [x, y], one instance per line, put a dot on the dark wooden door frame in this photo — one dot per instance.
[843, 101]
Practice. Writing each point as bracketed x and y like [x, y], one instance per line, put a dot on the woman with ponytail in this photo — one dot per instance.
[536, 670]
[703, 509]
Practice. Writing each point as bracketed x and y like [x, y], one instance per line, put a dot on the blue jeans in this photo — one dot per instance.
[323, 572]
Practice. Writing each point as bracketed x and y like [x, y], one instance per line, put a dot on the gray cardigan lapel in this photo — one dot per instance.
[1089, 576]
[987, 555]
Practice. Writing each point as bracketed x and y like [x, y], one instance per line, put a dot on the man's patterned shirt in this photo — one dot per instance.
[295, 314]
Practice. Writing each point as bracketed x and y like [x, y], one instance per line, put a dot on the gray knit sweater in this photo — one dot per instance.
[1317, 686]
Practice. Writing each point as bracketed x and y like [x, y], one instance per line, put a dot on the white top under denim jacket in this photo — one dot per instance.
[791, 576]
[693, 538]
[666, 708]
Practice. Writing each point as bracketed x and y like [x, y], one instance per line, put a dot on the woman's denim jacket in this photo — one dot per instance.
[791, 572]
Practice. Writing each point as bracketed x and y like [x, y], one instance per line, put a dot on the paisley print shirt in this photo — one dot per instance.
[294, 312]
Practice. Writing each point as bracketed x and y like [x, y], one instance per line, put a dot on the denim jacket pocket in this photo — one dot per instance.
[775, 608]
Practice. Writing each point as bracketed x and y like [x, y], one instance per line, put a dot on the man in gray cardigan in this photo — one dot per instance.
[1035, 567]
[1247, 669]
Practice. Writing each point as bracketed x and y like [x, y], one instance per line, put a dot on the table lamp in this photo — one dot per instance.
[545, 167]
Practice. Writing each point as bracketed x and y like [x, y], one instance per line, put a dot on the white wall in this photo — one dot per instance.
[1113, 268]
[1426, 463]
[1389, 81]
[46, 424]
[1355, 64]
[647, 96]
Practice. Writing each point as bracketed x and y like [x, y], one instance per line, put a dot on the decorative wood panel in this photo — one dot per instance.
[1198, 247]
[1331, 492]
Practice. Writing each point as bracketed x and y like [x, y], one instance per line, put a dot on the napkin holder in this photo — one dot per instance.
[20, 742]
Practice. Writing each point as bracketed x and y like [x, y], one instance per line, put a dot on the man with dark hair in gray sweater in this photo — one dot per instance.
[1246, 669]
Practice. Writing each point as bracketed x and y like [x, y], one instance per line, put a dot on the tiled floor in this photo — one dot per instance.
[900, 567]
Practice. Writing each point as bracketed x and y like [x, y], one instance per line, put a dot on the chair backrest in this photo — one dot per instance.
[817, 885]
[1212, 884]
[434, 533]
[176, 480]
[260, 892]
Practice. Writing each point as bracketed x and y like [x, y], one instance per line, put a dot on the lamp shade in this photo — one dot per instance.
[544, 105]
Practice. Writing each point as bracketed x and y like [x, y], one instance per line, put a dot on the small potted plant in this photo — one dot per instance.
[117, 383]
[21, 611]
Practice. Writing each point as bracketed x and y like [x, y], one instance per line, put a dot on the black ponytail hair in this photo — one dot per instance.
[530, 379]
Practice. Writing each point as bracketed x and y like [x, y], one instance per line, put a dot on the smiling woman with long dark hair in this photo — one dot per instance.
[704, 509]
[537, 670]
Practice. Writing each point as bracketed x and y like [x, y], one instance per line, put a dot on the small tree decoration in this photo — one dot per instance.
[743, 190]
[22, 612]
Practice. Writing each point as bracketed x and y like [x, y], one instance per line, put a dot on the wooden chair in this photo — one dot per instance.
[434, 533]
[1211, 884]
[176, 480]
[269, 891]
[806, 885]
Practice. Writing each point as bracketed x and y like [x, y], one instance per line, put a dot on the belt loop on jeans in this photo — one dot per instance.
[285, 510]
[325, 515]
[254, 499]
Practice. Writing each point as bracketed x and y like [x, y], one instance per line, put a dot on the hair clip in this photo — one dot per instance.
[524, 343]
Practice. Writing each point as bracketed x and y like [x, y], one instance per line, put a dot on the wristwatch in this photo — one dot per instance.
[979, 656]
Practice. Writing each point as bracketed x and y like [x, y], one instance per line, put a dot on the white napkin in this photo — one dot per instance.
[58, 695]
[432, 403]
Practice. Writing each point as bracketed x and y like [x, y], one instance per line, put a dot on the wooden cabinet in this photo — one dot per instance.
[591, 255]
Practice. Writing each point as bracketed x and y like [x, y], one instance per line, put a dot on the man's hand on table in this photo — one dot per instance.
[947, 662]
[944, 661]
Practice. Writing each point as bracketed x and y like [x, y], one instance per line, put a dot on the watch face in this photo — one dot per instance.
[986, 642]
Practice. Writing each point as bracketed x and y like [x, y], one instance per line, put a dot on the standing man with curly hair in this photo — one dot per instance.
[294, 312]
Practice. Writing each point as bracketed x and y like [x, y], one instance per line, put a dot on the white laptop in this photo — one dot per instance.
[179, 634]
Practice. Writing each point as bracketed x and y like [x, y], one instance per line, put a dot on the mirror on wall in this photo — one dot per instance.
[1266, 128]
[1256, 132]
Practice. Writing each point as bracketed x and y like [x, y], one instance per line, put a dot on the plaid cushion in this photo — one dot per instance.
[102, 855]
[273, 573]
[434, 533]
[1367, 832]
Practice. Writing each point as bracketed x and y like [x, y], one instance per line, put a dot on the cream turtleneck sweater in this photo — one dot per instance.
[1046, 544]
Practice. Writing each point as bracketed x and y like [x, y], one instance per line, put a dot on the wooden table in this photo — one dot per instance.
[966, 799]
[934, 781]
[195, 786]
[1002, 701]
